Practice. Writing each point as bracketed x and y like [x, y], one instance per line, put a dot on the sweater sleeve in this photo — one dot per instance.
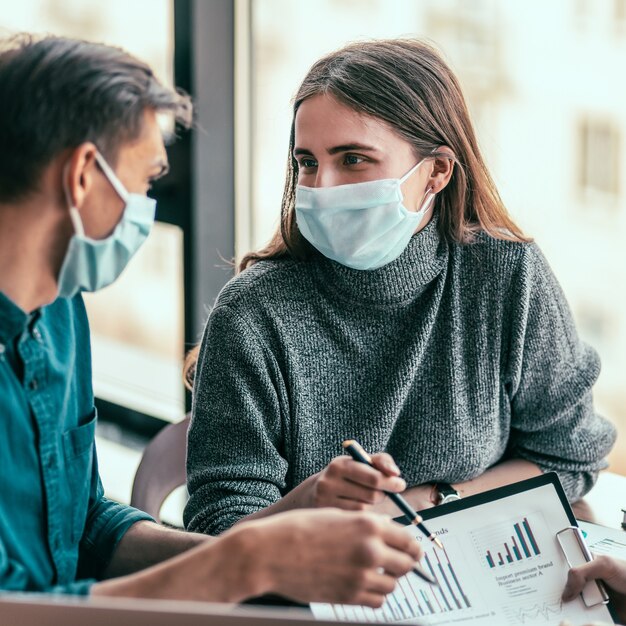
[553, 421]
[235, 465]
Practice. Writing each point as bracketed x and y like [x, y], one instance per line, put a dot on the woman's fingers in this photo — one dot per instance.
[602, 567]
[345, 480]
[365, 475]
[385, 463]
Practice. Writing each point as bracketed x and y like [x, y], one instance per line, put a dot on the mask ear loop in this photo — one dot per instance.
[77, 223]
[427, 200]
[111, 177]
[411, 171]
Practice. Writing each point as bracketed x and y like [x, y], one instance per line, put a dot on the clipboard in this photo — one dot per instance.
[518, 545]
[570, 538]
[576, 554]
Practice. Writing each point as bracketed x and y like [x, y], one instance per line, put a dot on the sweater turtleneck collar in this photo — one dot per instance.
[398, 281]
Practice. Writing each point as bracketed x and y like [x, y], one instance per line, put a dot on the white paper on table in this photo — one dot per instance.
[603, 540]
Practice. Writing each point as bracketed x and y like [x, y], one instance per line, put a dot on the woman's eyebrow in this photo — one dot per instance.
[336, 149]
[351, 146]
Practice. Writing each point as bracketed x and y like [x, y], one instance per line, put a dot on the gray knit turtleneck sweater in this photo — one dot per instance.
[451, 358]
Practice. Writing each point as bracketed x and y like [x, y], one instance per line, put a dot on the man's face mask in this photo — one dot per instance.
[91, 264]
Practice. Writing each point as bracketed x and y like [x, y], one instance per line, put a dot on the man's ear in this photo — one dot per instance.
[78, 174]
[443, 166]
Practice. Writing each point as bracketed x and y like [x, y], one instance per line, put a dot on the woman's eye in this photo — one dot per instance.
[352, 159]
[308, 163]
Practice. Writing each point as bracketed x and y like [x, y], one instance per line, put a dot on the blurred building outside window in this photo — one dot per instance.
[599, 161]
[529, 83]
[138, 322]
[531, 72]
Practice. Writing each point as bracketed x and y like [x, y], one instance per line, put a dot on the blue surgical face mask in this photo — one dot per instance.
[91, 264]
[361, 225]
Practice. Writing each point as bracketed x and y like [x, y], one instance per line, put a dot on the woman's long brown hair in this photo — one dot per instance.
[406, 84]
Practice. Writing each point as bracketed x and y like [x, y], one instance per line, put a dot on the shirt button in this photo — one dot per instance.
[37, 335]
[51, 462]
[33, 384]
[2, 349]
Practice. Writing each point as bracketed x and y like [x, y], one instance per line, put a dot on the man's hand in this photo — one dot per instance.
[315, 555]
[334, 556]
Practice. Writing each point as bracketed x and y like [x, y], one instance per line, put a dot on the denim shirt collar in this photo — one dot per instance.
[13, 320]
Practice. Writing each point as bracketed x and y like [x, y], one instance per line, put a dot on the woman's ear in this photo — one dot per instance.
[78, 175]
[443, 166]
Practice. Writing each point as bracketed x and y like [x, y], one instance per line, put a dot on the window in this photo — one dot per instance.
[137, 330]
[526, 81]
[137, 323]
[599, 161]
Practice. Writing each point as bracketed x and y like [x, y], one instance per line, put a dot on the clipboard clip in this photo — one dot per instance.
[577, 553]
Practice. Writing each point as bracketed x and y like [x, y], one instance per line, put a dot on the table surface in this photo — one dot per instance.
[604, 503]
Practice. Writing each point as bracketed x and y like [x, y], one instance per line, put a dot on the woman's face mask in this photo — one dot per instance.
[361, 225]
[357, 201]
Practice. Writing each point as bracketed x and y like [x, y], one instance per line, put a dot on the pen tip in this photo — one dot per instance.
[438, 543]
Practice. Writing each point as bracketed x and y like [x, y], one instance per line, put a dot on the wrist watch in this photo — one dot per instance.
[445, 493]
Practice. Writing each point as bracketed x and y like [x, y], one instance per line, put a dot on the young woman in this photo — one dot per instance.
[399, 305]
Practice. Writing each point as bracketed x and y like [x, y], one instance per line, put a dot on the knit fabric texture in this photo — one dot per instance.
[452, 358]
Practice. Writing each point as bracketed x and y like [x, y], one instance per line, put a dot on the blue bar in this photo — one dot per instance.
[412, 612]
[516, 549]
[490, 560]
[443, 574]
[432, 571]
[529, 532]
[427, 601]
[456, 580]
[400, 608]
[521, 539]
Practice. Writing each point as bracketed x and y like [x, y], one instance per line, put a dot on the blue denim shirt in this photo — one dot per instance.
[57, 530]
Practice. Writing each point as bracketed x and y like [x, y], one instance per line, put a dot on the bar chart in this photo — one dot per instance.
[511, 542]
[413, 598]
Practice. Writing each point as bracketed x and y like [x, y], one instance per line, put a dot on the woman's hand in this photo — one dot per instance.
[611, 571]
[346, 484]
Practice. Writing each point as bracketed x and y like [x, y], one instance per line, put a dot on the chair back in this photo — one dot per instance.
[162, 469]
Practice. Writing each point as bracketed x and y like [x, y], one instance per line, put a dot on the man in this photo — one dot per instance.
[80, 143]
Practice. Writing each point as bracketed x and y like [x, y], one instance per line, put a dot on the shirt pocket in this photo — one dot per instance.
[78, 448]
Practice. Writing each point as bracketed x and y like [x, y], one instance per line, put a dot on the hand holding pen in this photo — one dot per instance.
[352, 486]
[358, 454]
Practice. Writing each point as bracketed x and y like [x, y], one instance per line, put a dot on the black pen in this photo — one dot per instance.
[354, 449]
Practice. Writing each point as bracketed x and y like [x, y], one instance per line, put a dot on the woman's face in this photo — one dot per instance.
[336, 145]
